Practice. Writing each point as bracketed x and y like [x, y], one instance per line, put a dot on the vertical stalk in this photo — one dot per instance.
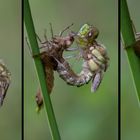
[129, 40]
[40, 71]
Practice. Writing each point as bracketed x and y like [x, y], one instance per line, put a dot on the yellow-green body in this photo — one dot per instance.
[97, 59]
[86, 35]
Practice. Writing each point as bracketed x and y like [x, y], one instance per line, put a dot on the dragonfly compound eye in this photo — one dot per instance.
[89, 34]
[95, 32]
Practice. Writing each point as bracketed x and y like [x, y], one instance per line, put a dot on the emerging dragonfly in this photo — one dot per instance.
[94, 55]
[95, 60]
[5, 78]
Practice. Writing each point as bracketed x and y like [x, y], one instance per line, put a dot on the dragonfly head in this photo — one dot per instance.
[87, 35]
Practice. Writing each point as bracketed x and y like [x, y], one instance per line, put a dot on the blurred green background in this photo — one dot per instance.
[130, 111]
[80, 114]
[10, 52]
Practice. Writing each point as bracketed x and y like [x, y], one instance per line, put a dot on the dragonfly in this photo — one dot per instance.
[51, 52]
[5, 78]
[94, 55]
[95, 60]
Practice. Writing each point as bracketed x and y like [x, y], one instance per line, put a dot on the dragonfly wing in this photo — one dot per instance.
[96, 81]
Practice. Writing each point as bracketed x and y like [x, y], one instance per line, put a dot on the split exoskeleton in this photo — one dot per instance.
[94, 55]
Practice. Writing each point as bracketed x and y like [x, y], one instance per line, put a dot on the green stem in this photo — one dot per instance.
[129, 40]
[40, 71]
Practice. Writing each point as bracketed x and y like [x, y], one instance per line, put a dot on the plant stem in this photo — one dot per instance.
[129, 40]
[40, 71]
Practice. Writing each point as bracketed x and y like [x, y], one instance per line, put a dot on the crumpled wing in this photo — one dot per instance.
[96, 81]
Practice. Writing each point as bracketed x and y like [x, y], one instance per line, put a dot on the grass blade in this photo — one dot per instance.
[129, 40]
[40, 71]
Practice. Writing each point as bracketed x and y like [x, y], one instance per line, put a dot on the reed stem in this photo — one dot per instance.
[129, 40]
[40, 71]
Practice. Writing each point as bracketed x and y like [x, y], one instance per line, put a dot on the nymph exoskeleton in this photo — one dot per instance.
[93, 54]
[51, 52]
[5, 78]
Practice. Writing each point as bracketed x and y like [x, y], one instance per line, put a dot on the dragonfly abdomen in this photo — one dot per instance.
[67, 74]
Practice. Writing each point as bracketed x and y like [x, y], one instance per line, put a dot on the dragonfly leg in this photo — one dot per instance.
[76, 56]
[45, 42]
[133, 27]
[70, 56]
[137, 34]
[39, 38]
[51, 30]
[71, 49]
[30, 51]
[45, 35]
[61, 33]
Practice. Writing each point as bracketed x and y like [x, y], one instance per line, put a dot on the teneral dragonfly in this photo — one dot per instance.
[95, 60]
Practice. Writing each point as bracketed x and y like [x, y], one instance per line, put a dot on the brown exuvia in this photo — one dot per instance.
[94, 55]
